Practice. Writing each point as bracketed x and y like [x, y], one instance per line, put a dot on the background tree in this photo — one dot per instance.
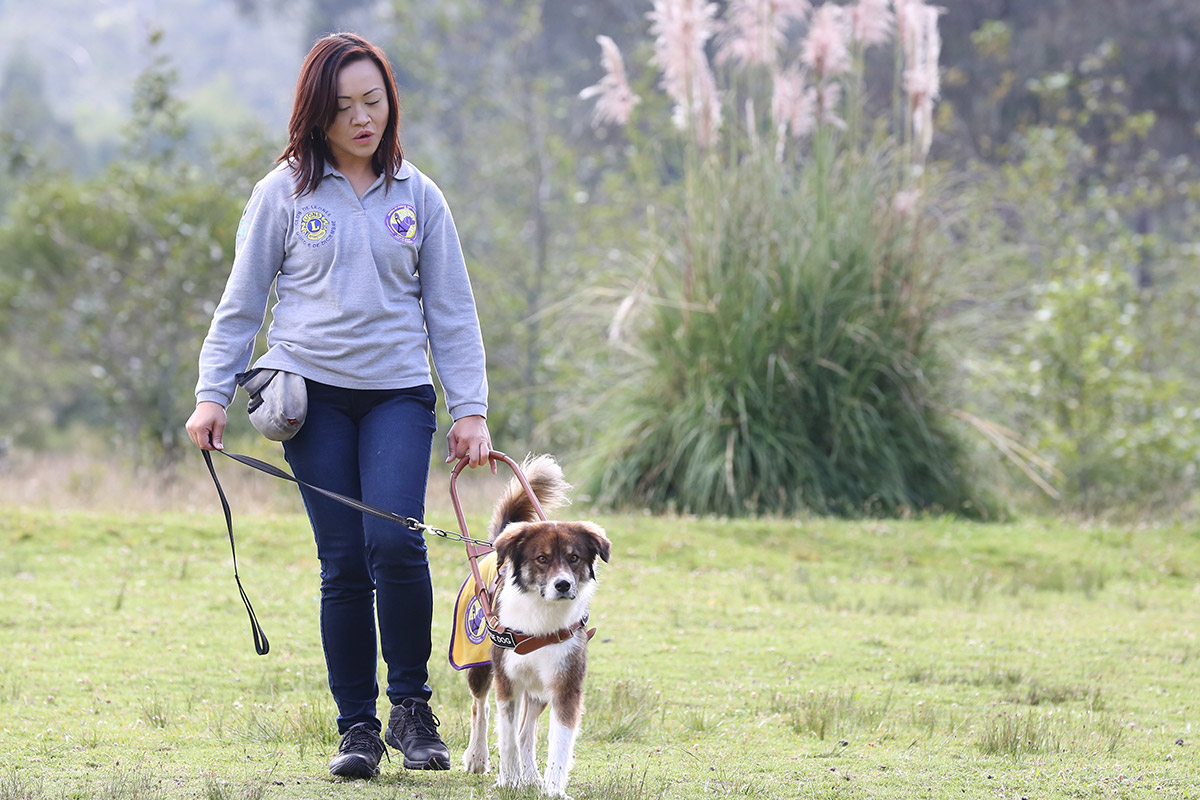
[499, 126]
[29, 124]
[993, 97]
[1077, 336]
[112, 280]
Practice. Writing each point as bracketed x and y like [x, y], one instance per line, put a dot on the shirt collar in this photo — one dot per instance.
[402, 174]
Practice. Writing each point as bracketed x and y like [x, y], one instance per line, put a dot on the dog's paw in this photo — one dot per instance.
[518, 782]
[476, 762]
[554, 785]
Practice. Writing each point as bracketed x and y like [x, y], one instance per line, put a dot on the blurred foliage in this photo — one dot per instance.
[319, 16]
[1081, 325]
[997, 52]
[33, 127]
[108, 283]
[1120, 433]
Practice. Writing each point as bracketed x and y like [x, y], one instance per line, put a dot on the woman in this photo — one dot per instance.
[369, 274]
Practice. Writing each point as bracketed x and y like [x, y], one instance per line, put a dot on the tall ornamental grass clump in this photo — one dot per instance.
[782, 346]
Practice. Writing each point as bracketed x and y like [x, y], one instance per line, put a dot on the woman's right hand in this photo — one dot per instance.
[206, 425]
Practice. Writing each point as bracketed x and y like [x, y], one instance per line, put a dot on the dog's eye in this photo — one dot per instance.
[573, 558]
[543, 559]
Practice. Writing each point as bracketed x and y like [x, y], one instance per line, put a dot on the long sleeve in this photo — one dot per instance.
[230, 341]
[450, 313]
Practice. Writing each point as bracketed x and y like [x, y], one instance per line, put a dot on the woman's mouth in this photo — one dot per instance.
[364, 136]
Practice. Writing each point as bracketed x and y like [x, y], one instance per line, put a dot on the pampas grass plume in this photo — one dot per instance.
[615, 99]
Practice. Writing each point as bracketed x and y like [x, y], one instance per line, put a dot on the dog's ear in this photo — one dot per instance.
[597, 539]
[508, 539]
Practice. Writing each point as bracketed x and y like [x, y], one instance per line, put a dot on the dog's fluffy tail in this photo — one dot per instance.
[546, 479]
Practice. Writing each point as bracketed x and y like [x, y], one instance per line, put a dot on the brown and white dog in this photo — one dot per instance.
[547, 579]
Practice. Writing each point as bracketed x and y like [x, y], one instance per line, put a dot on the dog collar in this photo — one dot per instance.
[524, 643]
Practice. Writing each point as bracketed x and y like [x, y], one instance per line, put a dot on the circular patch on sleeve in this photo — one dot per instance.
[243, 227]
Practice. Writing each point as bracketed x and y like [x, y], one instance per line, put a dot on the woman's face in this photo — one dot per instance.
[362, 114]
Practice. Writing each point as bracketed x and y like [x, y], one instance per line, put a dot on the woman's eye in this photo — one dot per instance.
[373, 102]
[347, 108]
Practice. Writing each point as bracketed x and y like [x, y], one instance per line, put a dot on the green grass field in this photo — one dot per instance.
[917, 659]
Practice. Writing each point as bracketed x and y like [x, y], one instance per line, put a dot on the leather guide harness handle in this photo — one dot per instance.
[474, 551]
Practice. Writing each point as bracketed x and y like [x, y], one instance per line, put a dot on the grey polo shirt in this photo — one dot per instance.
[367, 288]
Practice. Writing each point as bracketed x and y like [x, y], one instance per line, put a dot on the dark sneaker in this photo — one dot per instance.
[412, 729]
[358, 754]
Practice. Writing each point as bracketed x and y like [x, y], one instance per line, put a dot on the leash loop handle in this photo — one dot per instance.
[261, 645]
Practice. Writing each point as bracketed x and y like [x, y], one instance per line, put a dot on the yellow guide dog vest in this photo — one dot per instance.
[470, 645]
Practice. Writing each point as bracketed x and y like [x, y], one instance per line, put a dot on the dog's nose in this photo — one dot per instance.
[562, 585]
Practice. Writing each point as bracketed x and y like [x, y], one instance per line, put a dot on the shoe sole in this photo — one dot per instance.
[354, 770]
[433, 763]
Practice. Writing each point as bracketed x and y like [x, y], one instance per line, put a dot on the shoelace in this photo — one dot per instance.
[362, 739]
[423, 721]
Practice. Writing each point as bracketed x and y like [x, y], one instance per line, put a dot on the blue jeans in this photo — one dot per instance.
[373, 445]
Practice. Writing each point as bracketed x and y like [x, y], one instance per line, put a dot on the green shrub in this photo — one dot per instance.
[1085, 354]
[1118, 433]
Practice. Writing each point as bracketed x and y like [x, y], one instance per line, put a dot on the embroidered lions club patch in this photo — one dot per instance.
[314, 226]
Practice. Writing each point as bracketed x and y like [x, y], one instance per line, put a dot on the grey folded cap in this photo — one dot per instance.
[278, 402]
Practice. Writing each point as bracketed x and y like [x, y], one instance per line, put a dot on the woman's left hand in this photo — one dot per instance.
[469, 438]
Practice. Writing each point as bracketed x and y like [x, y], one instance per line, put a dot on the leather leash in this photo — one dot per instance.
[261, 645]
[501, 636]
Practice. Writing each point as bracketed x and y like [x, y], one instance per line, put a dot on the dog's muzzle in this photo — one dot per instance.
[562, 588]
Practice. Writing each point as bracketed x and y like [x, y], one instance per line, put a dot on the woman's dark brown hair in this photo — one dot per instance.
[315, 107]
